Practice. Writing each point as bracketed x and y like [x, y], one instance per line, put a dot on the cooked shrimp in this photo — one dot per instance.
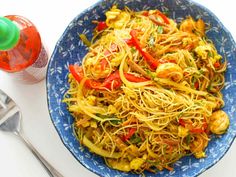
[191, 26]
[170, 70]
[200, 25]
[116, 18]
[219, 122]
[187, 25]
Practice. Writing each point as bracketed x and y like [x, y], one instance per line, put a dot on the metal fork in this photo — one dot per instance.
[10, 118]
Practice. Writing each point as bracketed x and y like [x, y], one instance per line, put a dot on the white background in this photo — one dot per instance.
[51, 18]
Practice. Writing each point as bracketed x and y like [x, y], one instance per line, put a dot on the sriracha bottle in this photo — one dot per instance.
[22, 54]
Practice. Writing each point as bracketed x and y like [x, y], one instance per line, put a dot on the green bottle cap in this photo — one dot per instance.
[9, 34]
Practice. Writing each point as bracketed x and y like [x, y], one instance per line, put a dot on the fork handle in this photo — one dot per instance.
[52, 172]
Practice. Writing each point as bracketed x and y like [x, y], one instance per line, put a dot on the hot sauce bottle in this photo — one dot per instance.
[22, 54]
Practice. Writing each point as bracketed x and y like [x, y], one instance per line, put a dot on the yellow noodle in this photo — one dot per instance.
[145, 124]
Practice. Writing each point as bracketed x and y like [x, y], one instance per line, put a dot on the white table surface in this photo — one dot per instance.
[51, 18]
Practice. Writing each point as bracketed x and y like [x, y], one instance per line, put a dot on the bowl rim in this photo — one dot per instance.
[216, 160]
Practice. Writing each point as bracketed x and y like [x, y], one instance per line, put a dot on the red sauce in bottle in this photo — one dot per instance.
[27, 60]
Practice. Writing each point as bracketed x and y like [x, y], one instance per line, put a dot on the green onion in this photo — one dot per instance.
[151, 74]
[152, 163]
[133, 49]
[135, 139]
[193, 80]
[112, 118]
[188, 139]
[151, 41]
[160, 30]
[85, 40]
[209, 54]
[209, 87]
[166, 12]
[201, 71]
[116, 122]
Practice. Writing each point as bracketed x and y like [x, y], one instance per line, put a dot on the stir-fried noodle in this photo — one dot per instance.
[148, 91]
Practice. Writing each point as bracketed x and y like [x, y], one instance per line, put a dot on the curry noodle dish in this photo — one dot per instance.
[148, 91]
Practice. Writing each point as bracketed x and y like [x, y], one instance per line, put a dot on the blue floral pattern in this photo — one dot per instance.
[70, 49]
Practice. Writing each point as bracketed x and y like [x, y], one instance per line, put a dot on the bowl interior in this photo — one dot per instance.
[70, 49]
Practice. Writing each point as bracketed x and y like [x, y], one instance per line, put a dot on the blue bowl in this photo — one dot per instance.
[70, 49]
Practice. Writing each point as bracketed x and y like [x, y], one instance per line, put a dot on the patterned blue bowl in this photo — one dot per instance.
[70, 49]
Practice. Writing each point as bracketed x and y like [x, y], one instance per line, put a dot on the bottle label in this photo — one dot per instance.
[34, 73]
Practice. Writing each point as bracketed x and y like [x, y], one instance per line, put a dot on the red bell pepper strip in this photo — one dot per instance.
[132, 78]
[129, 42]
[129, 135]
[197, 130]
[217, 64]
[93, 84]
[196, 85]
[191, 128]
[113, 81]
[145, 13]
[152, 62]
[182, 122]
[77, 73]
[101, 26]
[165, 19]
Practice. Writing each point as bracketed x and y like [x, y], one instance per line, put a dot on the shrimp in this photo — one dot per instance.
[200, 25]
[116, 18]
[219, 122]
[170, 70]
[187, 25]
[191, 26]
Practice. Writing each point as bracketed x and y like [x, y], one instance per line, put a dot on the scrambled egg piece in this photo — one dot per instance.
[136, 163]
[182, 132]
[200, 154]
[91, 100]
[206, 51]
[112, 109]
